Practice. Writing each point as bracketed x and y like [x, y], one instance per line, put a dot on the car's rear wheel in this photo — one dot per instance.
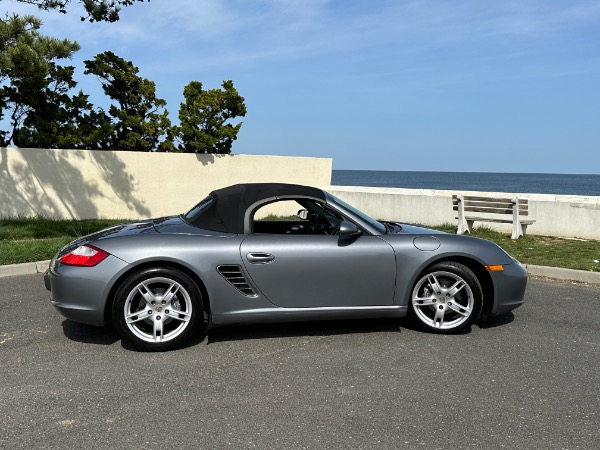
[158, 309]
[447, 298]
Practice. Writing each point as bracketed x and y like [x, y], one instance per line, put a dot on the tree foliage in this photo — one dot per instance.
[40, 107]
[61, 121]
[204, 118]
[141, 122]
[35, 104]
[95, 10]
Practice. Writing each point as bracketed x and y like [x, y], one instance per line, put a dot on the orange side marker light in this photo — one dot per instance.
[496, 268]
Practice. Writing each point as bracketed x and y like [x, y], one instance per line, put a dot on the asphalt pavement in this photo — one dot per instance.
[525, 380]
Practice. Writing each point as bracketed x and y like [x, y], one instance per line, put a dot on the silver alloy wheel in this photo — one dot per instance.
[158, 310]
[443, 300]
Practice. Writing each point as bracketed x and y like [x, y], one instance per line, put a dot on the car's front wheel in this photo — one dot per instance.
[447, 298]
[158, 309]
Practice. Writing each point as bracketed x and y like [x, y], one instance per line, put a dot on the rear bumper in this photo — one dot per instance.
[80, 293]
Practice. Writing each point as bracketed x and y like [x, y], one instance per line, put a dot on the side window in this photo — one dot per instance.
[295, 216]
[280, 217]
[283, 210]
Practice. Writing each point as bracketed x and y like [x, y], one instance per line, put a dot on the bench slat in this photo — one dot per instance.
[490, 219]
[488, 199]
[493, 210]
[490, 204]
[490, 210]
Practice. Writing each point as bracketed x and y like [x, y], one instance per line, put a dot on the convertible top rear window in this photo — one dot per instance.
[193, 213]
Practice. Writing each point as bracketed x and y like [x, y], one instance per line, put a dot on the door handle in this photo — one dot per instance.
[260, 258]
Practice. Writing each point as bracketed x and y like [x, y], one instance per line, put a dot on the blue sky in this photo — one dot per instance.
[447, 85]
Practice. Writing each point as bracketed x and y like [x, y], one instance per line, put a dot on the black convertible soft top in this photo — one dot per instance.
[226, 211]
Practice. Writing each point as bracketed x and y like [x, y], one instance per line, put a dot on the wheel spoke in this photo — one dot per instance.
[438, 320]
[158, 330]
[183, 316]
[137, 316]
[433, 282]
[456, 287]
[424, 301]
[463, 310]
[146, 293]
[170, 292]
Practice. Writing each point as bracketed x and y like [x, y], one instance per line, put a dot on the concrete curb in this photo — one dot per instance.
[559, 273]
[24, 269]
[539, 271]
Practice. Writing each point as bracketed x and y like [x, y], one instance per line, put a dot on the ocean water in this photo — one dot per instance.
[536, 183]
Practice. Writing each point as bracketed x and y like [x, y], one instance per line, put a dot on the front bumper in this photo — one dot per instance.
[509, 288]
[81, 293]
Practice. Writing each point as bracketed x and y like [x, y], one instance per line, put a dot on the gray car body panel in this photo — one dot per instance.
[309, 277]
[322, 270]
[411, 262]
[80, 294]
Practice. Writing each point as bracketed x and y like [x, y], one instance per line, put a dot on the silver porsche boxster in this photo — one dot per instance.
[233, 259]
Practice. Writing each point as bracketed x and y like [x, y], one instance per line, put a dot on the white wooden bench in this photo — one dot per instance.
[494, 208]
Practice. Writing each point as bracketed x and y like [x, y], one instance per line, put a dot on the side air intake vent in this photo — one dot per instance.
[236, 277]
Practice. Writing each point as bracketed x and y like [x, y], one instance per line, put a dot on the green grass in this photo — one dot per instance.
[543, 250]
[35, 239]
[15, 251]
[41, 227]
[26, 239]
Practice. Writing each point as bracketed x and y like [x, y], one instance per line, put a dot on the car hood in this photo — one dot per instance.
[427, 240]
[405, 228]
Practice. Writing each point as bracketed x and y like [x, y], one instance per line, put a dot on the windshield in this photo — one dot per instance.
[359, 214]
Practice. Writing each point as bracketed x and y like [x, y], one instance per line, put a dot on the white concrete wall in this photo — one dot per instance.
[555, 215]
[134, 185]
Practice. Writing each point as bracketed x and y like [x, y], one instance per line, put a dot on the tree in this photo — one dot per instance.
[60, 121]
[141, 122]
[35, 104]
[96, 10]
[38, 107]
[203, 118]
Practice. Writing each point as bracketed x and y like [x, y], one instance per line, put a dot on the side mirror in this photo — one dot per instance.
[348, 229]
[303, 214]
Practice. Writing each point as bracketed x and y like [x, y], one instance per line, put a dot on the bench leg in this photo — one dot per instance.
[462, 226]
[524, 227]
[517, 230]
[470, 226]
[461, 216]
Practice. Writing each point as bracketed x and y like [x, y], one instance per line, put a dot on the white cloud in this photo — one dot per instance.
[209, 33]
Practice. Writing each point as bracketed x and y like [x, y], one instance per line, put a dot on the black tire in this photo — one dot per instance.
[158, 309]
[447, 298]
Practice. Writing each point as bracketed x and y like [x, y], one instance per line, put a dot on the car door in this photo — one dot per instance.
[298, 271]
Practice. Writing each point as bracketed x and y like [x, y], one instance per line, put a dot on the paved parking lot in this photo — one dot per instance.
[528, 380]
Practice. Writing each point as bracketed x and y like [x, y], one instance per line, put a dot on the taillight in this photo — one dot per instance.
[84, 255]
